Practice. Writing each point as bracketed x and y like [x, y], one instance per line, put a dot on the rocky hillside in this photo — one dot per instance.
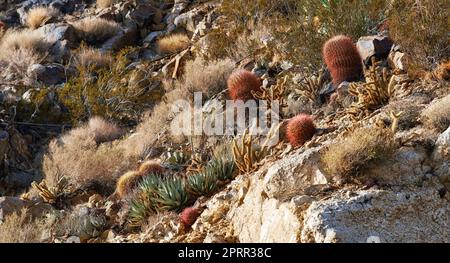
[90, 94]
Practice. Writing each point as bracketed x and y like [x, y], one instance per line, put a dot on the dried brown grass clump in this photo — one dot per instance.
[91, 58]
[437, 115]
[421, 29]
[103, 130]
[95, 30]
[148, 135]
[104, 3]
[77, 158]
[207, 77]
[38, 16]
[19, 228]
[173, 43]
[349, 157]
[25, 40]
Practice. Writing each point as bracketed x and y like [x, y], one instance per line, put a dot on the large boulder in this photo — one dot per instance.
[51, 74]
[125, 37]
[374, 46]
[410, 216]
[441, 157]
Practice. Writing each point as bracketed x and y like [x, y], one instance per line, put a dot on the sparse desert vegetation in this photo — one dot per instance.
[20, 228]
[104, 3]
[362, 147]
[23, 40]
[88, 57]
[100, 132]
[37, 16]
[173, 43]
[95, 30]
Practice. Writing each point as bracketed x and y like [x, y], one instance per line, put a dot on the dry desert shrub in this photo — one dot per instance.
[437, 115]
[104, 3]
[173, 43]
[349, 156]
[19, 228]
[81, 162]
[26, 39]
[95, 30]
[88, 57]
[155, 126]
[420, 27]
[207, 77]
[103, 130]
[299, 28]
[37, 16]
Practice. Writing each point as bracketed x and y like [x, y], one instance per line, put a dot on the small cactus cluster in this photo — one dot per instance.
[249, 151]
[300, 129]
[155, 193]
[216, 173]
[242, 84]
[204, 183]
[342, 59]
[128, 182]
[189, 215]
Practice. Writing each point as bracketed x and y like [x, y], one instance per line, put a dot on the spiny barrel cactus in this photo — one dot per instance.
[342, 59]
[300, 129]
[189, 215]
[241, 83]
[127, 183]
[151, 167]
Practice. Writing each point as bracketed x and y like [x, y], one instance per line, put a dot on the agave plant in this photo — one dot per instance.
[171, 195]
[139, 209]
[222, 168]
[204, 183]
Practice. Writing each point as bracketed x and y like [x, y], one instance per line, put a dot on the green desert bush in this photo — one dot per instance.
[420, 27]
[347, 158]
[106, 93]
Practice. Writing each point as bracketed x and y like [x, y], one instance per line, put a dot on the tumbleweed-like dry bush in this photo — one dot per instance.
[349, 156]
[39, 15]
[19, 228]
[207, 77]
[88, 58]
[104, 3]
[78, 158]
[95, 30]
[26, 39]
[173, 43]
